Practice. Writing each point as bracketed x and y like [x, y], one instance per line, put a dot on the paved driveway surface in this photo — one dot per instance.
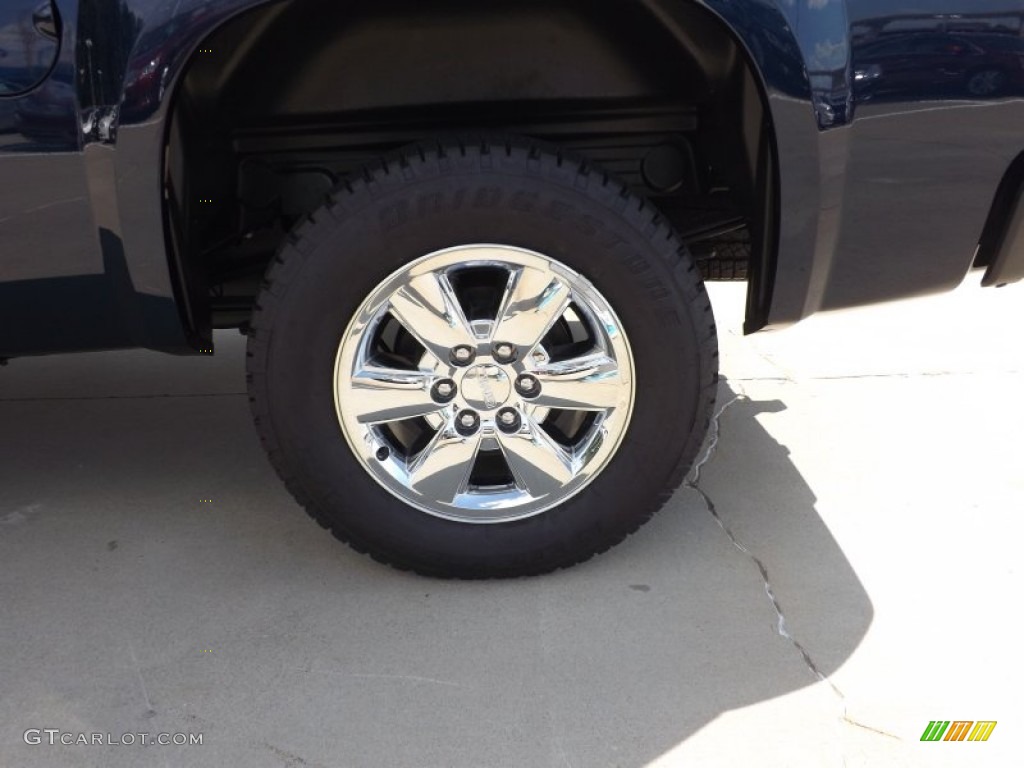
[846, 569]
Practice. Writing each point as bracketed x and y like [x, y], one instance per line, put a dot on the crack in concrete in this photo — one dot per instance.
[850, 721]
[781, 627]
[714, 430]
[714, 433]
[290, 758]
[142, 683]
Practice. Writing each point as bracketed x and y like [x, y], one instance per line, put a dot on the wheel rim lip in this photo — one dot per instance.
[488, 507]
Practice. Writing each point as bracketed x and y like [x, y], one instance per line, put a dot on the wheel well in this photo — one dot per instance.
[280, 104]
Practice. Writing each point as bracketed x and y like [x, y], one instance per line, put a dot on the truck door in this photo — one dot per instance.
[48, 295]
[29, 44]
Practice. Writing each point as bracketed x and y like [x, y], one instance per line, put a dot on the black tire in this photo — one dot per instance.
[435, 196]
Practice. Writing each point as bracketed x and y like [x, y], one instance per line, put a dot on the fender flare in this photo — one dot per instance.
[796, 248]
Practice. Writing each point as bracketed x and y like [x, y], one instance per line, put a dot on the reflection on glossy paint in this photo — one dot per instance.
[923, 161]
[28, 45]
[914, 57]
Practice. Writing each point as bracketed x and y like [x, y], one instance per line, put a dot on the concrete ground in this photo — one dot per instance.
[853, 578]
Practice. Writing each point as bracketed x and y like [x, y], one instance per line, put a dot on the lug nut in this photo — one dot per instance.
[527, 385]
[503, 352]
[508, 420]
[462, 355]
[467, 423]
[443, 391]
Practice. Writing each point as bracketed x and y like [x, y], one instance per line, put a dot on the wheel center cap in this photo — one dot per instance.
[485, 387]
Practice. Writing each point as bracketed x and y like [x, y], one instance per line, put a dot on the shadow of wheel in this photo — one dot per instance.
[615, 662]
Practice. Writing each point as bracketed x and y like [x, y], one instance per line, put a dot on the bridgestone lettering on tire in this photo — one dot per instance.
[482, 359]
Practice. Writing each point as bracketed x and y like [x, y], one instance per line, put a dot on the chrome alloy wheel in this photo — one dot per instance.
[484, 383]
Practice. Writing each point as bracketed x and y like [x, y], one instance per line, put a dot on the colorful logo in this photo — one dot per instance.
[959, 730]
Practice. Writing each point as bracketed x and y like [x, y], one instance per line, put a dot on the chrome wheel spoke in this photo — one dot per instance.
[429, 309]
[534, 300]
[441, 470]
[539, 464]
[588, 383]
[380, 395]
